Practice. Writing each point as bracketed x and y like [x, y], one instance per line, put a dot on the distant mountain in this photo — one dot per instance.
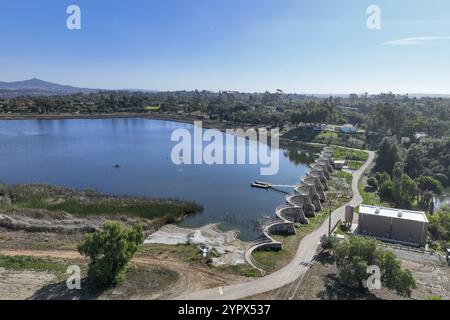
[35, 87]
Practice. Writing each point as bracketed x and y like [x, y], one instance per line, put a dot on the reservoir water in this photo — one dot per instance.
[82, 153]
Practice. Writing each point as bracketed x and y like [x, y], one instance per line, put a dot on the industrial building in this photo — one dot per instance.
[393, 225]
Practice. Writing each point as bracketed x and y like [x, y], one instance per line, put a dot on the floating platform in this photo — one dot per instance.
[261, 185]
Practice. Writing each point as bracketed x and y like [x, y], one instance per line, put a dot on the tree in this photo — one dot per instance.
[109, 251]
[440, 224]
[355, 254]
[328, 243]
[388, 156]
[373, 183]
[427, 186]
[413, 163]
[386, 189]
[397, 173]
[394, 276]
[405, 191]
[427, 183]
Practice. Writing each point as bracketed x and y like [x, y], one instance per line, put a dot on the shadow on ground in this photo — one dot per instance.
[336, 291]
[59, 291]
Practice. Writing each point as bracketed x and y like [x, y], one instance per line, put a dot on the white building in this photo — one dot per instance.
[393, 225]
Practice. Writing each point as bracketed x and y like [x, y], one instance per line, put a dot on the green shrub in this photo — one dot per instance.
[109, 252]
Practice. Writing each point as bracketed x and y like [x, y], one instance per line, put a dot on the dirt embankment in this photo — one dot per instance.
[40, 221]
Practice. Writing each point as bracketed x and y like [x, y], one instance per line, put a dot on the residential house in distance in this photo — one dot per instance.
[348, 128]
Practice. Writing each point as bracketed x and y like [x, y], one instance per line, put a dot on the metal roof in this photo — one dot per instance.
[394, 213]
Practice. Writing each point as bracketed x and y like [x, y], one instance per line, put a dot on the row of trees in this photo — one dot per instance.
[384, 114]
[404, 183]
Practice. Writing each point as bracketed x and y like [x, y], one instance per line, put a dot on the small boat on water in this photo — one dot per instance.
[261, 185]
[116, 166]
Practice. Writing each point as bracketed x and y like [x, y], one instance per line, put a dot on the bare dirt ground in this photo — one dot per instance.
[39, 233]
[230, 249]
[177, 277]
[21, 285]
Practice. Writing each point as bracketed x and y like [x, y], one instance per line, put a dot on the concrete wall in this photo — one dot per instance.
[374, 226]
[409, 231]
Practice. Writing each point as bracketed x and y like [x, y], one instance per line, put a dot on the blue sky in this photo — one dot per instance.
[320, 46]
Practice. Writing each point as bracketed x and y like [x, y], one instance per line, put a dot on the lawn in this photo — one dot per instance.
[306, 134]
[350, 154]
[152, 108]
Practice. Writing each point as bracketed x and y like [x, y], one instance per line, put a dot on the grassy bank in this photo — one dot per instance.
[87, 203]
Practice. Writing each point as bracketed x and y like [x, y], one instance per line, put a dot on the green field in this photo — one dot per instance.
[152, 108]
[350, 154]
[309, 135]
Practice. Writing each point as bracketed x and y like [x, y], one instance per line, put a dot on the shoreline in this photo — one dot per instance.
[208, 124]
[125, 115]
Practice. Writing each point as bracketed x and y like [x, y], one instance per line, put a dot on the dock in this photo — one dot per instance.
[266, 185]
[261, 185]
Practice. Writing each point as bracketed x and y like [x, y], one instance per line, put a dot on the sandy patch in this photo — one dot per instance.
[231, 249]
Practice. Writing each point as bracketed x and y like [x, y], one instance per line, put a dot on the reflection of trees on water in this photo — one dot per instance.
[299, 156]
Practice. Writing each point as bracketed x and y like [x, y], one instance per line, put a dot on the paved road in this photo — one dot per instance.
[299, 265]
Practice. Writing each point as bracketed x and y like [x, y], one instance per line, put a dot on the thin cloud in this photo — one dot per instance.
[415, 41]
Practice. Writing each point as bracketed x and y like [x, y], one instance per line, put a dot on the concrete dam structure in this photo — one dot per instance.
[305, 202]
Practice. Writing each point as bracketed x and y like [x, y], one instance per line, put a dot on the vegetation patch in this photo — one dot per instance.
[188, 253]
[26, 263]
[353, 257]
[86, 203]
[109, 251]
[244, 270]
[308, 134]
[272, 260]
[350, 154]
[152, 108]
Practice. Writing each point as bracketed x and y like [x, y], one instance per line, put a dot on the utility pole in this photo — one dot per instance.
[329, 219]
[333, 196]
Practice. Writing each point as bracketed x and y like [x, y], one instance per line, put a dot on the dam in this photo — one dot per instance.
[307, 199]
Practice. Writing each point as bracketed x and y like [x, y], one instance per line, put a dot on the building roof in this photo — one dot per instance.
[394, 213]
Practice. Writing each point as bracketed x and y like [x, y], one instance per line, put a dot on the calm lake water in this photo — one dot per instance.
[82, 153]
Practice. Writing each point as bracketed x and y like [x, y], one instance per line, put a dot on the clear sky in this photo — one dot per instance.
[314, 46]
